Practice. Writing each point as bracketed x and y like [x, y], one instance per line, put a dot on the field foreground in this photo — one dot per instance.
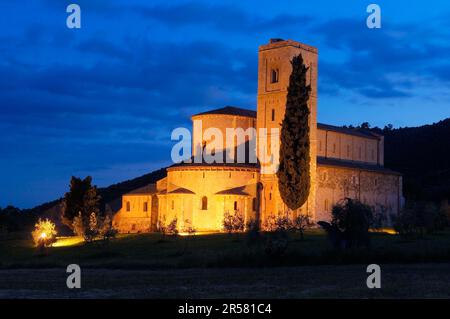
[398, 281]
[219, 265]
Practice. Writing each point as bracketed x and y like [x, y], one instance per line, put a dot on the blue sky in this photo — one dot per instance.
[102, 100]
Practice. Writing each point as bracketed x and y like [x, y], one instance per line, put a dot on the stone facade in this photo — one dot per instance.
[344, 163]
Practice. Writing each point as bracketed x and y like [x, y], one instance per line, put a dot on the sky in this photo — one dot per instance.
[102, 100]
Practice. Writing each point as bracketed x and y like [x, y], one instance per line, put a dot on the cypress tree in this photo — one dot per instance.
[293, 173]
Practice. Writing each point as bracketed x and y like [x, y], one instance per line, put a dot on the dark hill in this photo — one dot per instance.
[422, 154]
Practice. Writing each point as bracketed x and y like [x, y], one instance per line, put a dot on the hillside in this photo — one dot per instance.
[422, 154]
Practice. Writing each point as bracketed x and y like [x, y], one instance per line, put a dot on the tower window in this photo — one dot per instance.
[235, 205]
[273, 115]
[204, 203]
[128, 206]
[145, 206]
[274, 76]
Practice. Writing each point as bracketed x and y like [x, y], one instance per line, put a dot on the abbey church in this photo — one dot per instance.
[344, 163]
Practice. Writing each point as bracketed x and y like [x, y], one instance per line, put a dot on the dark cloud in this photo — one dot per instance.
[220, 16]
[375, 58]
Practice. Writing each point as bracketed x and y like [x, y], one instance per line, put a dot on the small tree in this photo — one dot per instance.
[353, 219]
[107, 231]
[172, 227]
[301, 223]
[188, 228]
[293, 173]
[233, 223]
[417, 219]
[82, 199]
[44, 233]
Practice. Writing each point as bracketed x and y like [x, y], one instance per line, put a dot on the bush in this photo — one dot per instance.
[277, 223]
[300, 223]
[172, 227]
[353, 219]
[107, 231]
[233, 223]
[44, 233]
[418, 219]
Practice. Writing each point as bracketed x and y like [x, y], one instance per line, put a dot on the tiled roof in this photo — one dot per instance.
[233, 191]
[231, 110]
[350, 131]
[354, 165]
[149, 189]
[181, 190]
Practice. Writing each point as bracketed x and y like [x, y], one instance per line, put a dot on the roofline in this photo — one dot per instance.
[211, 112]
[362, 166]
[224, 167]
[285, 43]
[349, 131]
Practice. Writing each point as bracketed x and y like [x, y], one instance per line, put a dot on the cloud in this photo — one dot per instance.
[373, 58]
[227, 18]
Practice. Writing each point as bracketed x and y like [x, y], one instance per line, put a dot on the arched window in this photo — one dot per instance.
[326, 205]
[204, 203]
[274, 76]
[235, 205]
[145, 206]
[128, 206]
[273, 115]
[173, 204]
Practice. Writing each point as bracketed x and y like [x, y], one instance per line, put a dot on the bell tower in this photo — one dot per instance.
[274, 70]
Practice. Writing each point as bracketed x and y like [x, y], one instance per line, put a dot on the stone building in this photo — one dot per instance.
[344, 163]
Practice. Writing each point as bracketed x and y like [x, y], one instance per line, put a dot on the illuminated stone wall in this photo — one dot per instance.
[136, 219]
[379, 190]
[348, 147]
[221, 122]
[237, 185]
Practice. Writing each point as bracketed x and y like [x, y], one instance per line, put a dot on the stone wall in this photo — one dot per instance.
[381, 191]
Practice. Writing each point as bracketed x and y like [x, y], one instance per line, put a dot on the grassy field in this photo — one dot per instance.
[210, 266]
[151, 251]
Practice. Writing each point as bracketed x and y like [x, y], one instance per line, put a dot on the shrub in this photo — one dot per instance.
[353, 219]
[277, 223]
[172, 227]
[300, 223]
[107, 231]
[188, 228]
[419, 218]
[44, 233]
[233, 223]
